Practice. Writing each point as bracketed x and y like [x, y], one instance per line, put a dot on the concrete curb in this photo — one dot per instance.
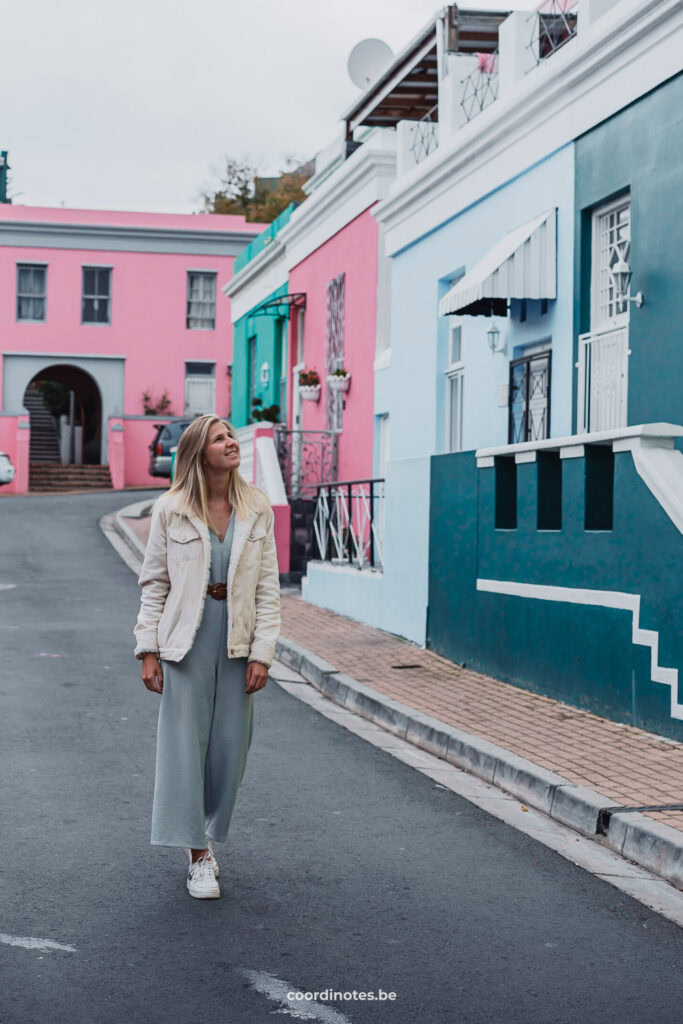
[646, 842]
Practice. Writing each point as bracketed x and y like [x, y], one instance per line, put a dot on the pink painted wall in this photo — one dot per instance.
[353, 251]
[148, 312]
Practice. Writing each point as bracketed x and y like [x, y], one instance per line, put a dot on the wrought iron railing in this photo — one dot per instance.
[348, 526]
[307, 458]
[552, 24]
[425, 135]
[602, 379]
[480, 87]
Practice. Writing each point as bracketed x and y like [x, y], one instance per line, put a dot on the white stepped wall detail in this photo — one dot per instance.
[604, 599]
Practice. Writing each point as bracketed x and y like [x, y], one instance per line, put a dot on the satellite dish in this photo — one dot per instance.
[367, 60]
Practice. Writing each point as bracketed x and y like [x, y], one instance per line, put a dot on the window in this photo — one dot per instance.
[31, 289]
[96, 295]
[200, 388]
[529, 401]
[611, 243]
[454, 389]
[201, 300]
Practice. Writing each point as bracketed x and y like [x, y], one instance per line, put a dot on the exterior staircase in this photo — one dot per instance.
[53, 476]
[44, 441]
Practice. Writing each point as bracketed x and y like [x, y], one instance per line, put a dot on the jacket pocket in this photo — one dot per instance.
[184, 544]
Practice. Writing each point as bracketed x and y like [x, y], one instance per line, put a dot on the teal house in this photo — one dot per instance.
[261, 310]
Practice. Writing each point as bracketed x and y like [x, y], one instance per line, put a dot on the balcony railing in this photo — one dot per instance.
[480, 87]
[603, 379]
[425, 135]
[349, 523]
[307, 459]
[552, 25]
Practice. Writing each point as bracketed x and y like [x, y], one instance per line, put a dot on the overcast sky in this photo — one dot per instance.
[131, 104]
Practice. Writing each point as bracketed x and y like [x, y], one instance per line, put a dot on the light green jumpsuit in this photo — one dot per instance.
[204, 728]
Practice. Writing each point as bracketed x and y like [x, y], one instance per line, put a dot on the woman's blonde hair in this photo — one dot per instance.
[189, 480]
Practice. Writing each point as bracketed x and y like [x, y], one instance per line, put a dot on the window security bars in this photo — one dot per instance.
[96, 301]
[611, 243]
[348, 525]
[602, 379]
[31, 289]
[552, 25]
[425, 135]
[480, 87]
[307, 459]
[529, 403]
[201, 301]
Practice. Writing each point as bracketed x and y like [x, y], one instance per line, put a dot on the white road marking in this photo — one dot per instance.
[7, 586]
[28, 942]
[276, 990]
[586, 853]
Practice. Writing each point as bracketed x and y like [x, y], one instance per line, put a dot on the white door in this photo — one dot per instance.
[200, 395]
[297, 442]
[604, 351]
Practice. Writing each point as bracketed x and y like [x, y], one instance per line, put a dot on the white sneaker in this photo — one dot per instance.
[201, 881]
[214, 862]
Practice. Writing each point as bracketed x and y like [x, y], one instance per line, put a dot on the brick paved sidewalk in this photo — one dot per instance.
[628, 765]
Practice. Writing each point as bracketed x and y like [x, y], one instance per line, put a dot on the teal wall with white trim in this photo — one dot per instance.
[582, 655]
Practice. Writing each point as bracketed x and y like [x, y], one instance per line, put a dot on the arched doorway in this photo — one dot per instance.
[64, 390]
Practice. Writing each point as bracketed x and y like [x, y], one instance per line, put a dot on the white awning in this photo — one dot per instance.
[520, 266]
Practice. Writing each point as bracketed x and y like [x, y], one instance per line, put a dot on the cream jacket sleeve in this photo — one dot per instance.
[154, 583]
[267, 623]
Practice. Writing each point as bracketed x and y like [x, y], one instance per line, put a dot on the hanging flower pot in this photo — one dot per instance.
[339, 381]
[309, 385]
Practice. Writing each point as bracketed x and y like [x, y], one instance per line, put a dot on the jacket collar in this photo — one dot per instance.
[241, 531]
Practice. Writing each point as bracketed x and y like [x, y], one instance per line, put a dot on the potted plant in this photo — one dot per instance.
[339, 379]
[264, 413]
[309, 385]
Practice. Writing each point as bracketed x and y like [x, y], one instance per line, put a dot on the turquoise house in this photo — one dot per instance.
[260, 334]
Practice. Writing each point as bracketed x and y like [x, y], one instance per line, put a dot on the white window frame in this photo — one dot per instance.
[617, 319]
[454, 374]
[208, 311]
[27, 265]
[106, 298]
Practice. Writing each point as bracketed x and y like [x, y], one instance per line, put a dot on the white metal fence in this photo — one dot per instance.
[603, 379]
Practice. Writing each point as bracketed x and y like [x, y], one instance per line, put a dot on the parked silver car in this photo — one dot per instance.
[166, 437]
[6, 469]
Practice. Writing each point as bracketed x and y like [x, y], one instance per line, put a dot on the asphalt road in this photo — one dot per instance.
[344, 869]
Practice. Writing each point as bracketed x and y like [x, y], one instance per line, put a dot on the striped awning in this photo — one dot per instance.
[522, 265]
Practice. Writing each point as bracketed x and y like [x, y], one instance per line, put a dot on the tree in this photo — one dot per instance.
[241, 190]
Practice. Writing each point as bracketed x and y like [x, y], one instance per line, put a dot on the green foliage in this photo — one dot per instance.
[162, 407]
[241, 191]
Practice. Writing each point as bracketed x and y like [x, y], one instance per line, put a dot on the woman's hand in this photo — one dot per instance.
[257, 676]
[152, 675]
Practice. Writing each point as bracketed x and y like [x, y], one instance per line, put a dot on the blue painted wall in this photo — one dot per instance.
[640, 150]
[581, 655]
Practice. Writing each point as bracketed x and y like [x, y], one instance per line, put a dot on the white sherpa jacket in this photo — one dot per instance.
[175, 574]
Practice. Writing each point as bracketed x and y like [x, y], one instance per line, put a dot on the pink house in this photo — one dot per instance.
[108, 305]
[339, 279]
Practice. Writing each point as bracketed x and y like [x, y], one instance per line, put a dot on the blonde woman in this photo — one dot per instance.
[209, 619]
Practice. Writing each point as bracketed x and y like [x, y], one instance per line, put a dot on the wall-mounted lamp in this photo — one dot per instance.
[265, 374]
[493, 338]
[621, 272]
